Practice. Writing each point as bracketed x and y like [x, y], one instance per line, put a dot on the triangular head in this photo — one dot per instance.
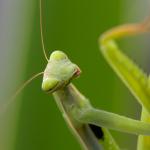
[59, 72]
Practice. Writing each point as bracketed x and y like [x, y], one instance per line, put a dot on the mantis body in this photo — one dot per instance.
[88, 124]
[77, 110]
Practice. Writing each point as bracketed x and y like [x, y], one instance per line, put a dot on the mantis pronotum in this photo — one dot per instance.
[89, 125]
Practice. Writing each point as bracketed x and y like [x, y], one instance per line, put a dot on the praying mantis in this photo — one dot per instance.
[88, 124]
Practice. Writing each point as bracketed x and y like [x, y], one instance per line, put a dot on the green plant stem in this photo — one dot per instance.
[133, 77]
[69, 98]
[144, 141]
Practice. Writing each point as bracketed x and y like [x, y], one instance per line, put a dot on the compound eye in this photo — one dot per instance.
[77, 72]
[49, 84]
[58, 55]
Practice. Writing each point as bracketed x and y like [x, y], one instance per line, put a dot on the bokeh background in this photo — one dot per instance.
[33, 121]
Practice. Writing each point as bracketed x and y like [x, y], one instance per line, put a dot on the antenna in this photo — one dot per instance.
[25, 84]
[12, 98]
[41, 30]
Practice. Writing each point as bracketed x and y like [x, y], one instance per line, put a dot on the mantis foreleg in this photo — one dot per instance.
[68, 98]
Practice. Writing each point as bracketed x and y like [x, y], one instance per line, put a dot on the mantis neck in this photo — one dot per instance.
[67, 98]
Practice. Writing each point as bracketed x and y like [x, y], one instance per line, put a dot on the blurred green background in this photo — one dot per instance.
[33, 121]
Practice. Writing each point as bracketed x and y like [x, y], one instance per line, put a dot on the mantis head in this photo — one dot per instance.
[59, 72]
